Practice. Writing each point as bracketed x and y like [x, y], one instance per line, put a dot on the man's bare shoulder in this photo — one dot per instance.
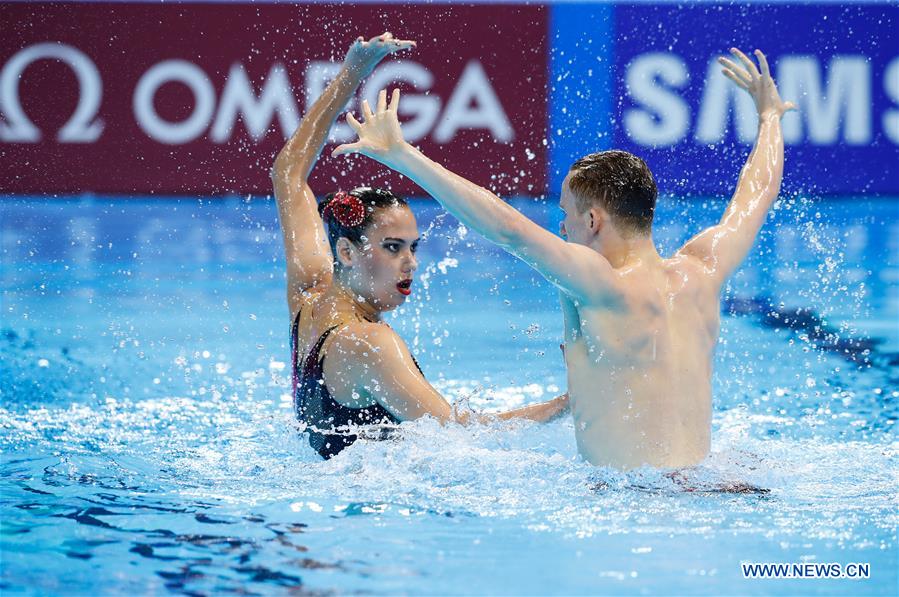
[690, 280]
[696, 268]
[683, 261]
[700, 256]
[656, 282]
[600, 278]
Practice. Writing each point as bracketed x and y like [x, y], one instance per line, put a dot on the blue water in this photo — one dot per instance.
[148, 443]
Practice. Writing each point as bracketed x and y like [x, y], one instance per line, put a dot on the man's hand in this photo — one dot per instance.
[760, 85]
[364, 56]
[380, 136]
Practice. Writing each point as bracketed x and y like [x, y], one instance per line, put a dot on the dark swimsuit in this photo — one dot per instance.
[330, 425]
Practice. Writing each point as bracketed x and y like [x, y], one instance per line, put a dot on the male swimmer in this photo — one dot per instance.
[640, 329]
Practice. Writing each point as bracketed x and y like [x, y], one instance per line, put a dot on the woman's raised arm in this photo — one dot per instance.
[309, 259]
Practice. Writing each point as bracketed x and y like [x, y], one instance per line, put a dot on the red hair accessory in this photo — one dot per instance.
[346, 209]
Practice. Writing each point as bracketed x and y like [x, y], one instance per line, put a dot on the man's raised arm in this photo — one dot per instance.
[573, 268]
[723, 247]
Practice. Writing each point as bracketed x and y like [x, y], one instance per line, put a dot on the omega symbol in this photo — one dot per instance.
[82, 126]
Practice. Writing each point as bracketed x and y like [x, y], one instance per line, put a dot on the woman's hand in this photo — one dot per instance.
[380, 136]
[364, 56]
[542, 412]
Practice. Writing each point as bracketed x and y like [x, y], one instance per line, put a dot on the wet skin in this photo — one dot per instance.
[640, 330]
[639, 359]
[366, 361]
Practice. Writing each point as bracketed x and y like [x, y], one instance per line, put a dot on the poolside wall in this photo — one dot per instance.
[143, 98]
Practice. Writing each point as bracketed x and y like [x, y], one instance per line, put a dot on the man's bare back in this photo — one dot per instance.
[640, 330]
[640, 366]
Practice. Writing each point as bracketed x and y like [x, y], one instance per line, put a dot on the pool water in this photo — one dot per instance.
[148, 439]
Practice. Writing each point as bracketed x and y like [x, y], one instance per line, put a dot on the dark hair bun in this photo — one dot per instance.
[349, 213]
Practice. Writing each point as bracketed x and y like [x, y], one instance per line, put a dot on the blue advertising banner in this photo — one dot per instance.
[644, 78]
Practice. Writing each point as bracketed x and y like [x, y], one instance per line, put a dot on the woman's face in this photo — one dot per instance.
[384, 266]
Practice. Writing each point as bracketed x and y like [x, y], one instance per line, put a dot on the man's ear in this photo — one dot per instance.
[346, 253]
[596, 219]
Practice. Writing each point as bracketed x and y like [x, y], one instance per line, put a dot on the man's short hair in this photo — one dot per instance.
[620, 183]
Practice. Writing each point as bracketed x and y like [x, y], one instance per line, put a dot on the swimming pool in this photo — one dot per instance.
[148, 440]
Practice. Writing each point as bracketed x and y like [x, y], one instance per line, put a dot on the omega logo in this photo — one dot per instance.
[473, 103]
[82, 126]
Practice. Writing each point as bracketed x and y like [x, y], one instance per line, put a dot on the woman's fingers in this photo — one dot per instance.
[750, 66]
[395, 101]
[387, 42]
[366, 111]
[382, 101]
[404, 44]
[790, 106]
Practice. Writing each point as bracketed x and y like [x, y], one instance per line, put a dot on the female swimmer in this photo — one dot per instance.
[350, 369]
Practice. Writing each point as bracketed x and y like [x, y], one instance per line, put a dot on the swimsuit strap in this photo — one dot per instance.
[313, 361]
[295, 349]
[298, 368]
[302, 314]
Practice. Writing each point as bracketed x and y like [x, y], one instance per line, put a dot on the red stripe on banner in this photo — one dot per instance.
[198, 98]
